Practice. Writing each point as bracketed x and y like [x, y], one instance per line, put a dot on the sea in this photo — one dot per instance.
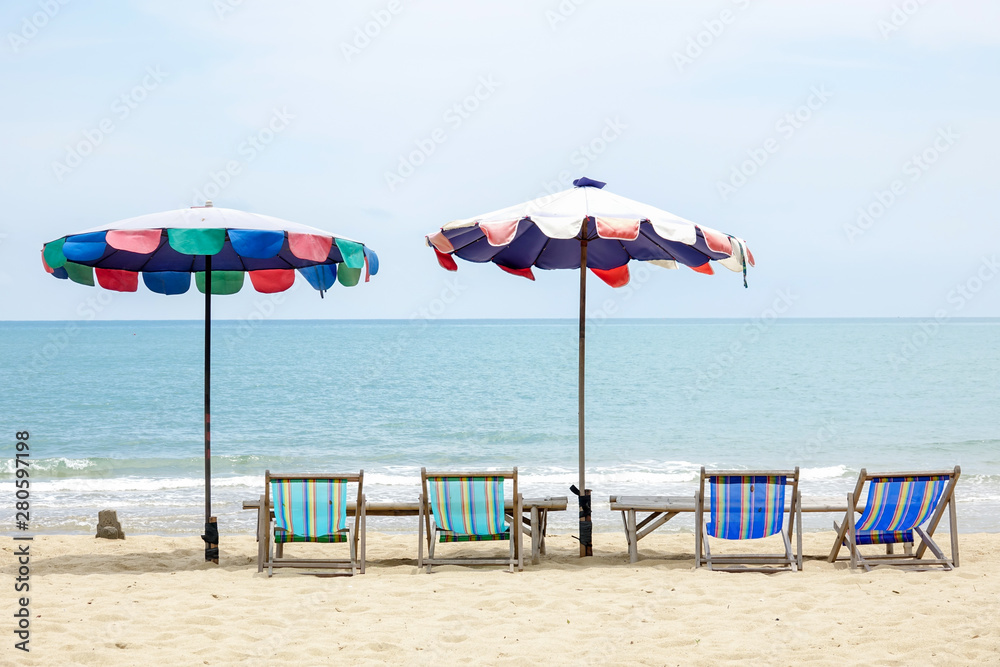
[114, 410]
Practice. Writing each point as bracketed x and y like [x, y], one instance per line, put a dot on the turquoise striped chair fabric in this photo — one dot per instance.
[310, 510]
[468, 509]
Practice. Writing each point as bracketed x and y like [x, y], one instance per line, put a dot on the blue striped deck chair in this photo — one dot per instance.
[468, 507]
[898, 506]
[311, 508]
[748, 505]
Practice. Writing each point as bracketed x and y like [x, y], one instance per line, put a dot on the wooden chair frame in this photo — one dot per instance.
[907, 560]
[270, 554]
[427, 529]
[789, 561]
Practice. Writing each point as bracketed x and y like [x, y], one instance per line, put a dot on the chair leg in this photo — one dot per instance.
[513, 557]
[932, 545]
[430, 549]
[953, 529]
[270, 551]
[841, 531]
[364, 530]
[852, 536]
[798, 531]
[263, 523]
[789, 556]
[697, 529]
[706, 547]
[420, 533]
[353, 551]
[519, 546]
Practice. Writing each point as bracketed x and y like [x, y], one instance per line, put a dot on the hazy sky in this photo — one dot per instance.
[772, 120]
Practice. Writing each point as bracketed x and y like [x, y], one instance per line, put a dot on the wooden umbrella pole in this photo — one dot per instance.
[586, 527]
[211, 536]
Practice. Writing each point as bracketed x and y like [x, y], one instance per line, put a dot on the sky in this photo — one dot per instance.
[852, 143]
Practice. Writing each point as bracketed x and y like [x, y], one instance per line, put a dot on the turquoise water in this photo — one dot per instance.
[114, 409]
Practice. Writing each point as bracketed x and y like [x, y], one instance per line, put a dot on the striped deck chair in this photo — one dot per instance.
[312, 508]
[747, 505]
[898, 505]
[468, 507]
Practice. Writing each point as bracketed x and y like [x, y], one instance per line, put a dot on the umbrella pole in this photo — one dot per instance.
[211, 536]
[586, 526]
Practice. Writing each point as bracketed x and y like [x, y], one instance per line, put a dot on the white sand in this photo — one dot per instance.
[151, 601]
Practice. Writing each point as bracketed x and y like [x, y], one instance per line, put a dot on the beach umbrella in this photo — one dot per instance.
[586, 227]
[220, 246]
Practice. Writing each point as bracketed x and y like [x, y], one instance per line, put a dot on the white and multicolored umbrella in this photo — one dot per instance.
[166, 248]
[586, 227]
[220, 246]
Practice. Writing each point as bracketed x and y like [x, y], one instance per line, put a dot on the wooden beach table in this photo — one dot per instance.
[535, 517]
[660, 509]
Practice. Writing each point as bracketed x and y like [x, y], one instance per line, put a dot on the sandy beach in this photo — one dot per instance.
[149, 600]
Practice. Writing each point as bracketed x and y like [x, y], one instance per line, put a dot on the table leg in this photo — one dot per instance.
[535, 531]
[545, 525]
[633, 549]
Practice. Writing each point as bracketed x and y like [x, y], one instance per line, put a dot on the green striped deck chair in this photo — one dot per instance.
[468, 507]
[898, 507]
[313, 508]
[749, 505]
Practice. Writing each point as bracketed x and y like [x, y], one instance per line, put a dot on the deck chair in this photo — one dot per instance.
[312, 508]
[746, 505]
[898, 505]
[468, 507]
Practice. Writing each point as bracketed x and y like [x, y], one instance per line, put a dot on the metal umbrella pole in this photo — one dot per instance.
[586, 525]
[211, 536]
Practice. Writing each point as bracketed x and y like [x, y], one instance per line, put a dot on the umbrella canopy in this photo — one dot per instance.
[220, 246]
[166, 248]
[580, 228]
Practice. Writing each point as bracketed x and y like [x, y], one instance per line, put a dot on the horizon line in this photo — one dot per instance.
[520, 319]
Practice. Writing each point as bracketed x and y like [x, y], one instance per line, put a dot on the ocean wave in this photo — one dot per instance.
[118, 484]
[9, 466]
[148, 475]
[828, 472]
[108, 466]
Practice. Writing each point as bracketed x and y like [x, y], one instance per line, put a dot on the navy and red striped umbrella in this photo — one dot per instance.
[586, 227]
